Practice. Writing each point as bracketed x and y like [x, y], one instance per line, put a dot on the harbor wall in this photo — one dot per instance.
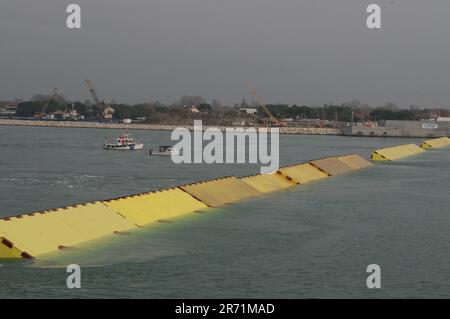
[402, 129]
[425, 129]
[156, 127]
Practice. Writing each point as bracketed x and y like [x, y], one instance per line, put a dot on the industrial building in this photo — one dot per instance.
[424, 128]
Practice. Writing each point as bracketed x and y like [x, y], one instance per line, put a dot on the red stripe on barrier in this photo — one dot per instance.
[26, 255]
[7, 243]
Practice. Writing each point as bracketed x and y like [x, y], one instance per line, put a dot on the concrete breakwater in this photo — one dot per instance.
[155, 127]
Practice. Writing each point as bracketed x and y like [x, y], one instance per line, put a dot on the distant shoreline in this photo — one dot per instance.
[154, 127]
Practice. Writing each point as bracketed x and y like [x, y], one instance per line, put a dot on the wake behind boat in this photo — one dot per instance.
[165, 150]
[124, 142]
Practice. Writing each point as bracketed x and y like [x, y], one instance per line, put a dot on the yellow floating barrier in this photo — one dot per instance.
[266, 183]
[436, 143]
[7, 250]
[396, 152]
[355, 161]
[221, 191]
[39, 233]
[302, 173]
[332, 166]
[150, 207]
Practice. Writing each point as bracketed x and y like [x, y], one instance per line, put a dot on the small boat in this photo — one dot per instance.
[124, 142]
[165, 150]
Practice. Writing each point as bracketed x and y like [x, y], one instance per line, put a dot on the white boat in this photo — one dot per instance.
[124, 142]
[165, 150]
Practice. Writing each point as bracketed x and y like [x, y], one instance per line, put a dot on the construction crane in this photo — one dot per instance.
[91, 89]
[99, 103]
[106, 111]
[51, 97]
[273, 120]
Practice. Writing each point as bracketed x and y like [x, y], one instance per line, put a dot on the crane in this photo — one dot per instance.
[106, 111]
[100, 104]
[91, 89]
[274, 121]
[51, 97]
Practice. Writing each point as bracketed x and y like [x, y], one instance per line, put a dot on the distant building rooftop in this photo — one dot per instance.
[8, 107]
[9, 104]
[248, 110]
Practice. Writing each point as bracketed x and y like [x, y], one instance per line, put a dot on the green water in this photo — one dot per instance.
[312, 241]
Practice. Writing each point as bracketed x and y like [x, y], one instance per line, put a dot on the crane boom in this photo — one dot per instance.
[92, 91]
[266, 110]
[105, 110]
[50, 98]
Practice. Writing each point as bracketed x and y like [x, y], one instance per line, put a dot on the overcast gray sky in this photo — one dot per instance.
[291, 51]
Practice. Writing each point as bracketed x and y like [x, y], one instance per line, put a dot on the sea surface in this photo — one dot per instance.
[311, 241]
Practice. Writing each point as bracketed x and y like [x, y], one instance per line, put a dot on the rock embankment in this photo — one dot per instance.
[155, 127]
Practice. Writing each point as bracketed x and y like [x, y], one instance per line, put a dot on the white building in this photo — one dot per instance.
[248, 110]
[8, 108]
[108, 113]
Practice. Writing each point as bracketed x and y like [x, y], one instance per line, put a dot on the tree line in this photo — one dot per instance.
[196, 107]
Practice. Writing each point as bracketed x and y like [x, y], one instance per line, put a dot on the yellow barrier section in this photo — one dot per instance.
[355, 161]
[302, 173]
[40, 233]
[266, 183]
[7, 249]
[436, 143]
[396, 152]
[332, 165]
[221, 191]
[150, 207]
